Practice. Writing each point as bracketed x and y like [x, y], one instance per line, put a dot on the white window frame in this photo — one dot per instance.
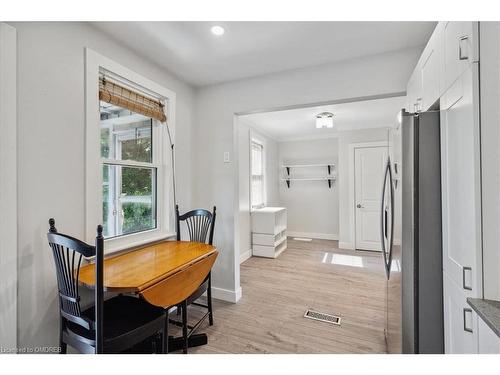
[263, 169]
[165, 226]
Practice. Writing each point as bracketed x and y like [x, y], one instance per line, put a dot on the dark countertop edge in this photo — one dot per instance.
[488, 311]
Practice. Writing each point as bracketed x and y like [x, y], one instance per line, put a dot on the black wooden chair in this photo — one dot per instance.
[200, 228]
[109, 326]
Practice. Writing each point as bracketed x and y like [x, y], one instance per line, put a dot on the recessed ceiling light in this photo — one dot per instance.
[217, 30]
[324, 120]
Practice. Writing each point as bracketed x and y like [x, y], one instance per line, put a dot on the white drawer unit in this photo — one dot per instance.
[269, 232]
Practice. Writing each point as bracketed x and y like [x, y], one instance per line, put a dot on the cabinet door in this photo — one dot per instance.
[430, 70]
[460, 321]
[460, 48]
[489, 342]
[414, 91]
[460, 174]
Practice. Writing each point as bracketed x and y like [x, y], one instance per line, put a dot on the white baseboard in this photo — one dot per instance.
[346, 245]
[226, 294]
[319, 236]
[244, 256]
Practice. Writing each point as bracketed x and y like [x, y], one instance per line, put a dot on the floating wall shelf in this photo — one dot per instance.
[330, 177]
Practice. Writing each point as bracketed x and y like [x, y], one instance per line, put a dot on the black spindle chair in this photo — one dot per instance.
[200, 228]
[109, 326]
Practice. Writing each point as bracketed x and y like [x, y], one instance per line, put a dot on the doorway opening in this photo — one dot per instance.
[296, 245]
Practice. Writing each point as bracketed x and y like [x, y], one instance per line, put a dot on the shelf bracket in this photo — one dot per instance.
[288, 171]
[329, 169]
[288, 183]
[329, 182]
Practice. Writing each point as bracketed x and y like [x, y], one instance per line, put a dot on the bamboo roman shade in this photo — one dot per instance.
[114, 93]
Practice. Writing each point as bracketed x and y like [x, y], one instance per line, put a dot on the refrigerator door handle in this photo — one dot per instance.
[385, 221]
[382, 221]
[390, 239]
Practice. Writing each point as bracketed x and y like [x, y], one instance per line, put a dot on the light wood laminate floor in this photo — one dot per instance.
[276, 293]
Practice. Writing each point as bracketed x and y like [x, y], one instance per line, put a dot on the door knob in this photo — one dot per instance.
[359, 206]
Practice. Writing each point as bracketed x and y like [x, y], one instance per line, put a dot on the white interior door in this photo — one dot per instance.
[369, 163]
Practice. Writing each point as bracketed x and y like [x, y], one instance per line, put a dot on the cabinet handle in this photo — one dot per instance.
[466, 287]
[467, 329]
[461, 55]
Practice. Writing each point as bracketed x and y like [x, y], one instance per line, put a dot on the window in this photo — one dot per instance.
[128, 183]
[129, 171]
[257, 193]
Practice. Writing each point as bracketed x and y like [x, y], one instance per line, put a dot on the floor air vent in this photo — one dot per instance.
[327, 318]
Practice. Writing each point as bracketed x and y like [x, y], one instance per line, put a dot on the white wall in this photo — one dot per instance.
[245, 134]
[8, 189]
[51, 154]
[312, 207]
[216, 182]
[346, 232]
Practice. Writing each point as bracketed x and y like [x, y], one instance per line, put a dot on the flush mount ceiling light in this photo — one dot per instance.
[324, 120]
[217, 30]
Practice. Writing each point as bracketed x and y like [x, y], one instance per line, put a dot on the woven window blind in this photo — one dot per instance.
[111, 92]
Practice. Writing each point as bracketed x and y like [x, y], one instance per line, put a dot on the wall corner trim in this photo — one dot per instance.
[246, 255]
[346, 245]
[227, 295]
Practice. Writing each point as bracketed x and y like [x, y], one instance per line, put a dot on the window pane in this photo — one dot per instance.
[125, 135]
[129, 200]
[257, 192]
[256, 159]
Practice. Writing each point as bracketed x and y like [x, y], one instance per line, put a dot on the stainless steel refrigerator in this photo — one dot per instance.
[414, 268]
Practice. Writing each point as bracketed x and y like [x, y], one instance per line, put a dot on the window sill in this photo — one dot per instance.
[128, 242]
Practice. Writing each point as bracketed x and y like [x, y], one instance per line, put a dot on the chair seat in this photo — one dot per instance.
[123, 315]
[198, 292]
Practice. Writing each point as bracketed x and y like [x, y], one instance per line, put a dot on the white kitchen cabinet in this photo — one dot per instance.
[430, 65]
[489, 342]
[460, 40]
[461, 188]
[460, 321]
[414, 92]
[423, 88]
[448, 71]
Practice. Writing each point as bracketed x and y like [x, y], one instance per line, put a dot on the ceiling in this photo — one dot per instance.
[248, 49]
[298, 124]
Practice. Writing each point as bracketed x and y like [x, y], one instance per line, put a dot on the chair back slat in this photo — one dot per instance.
[67, 261]
[200, 224]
